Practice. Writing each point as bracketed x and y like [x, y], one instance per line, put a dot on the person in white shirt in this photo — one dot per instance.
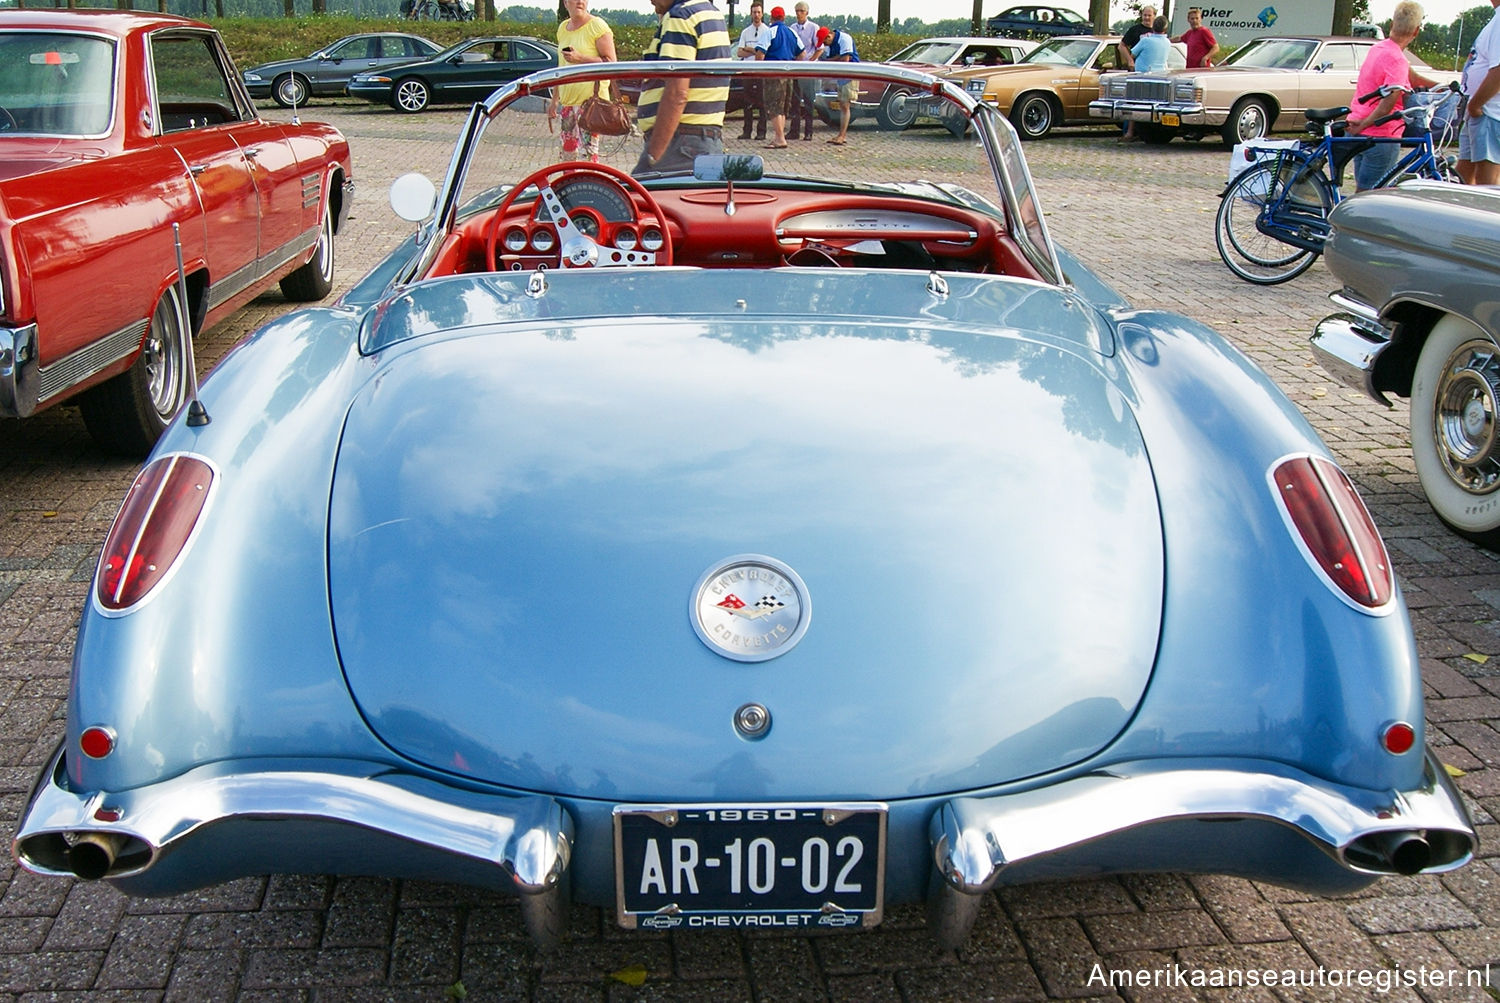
[1479, 142]
[806, 90]
[757, 32]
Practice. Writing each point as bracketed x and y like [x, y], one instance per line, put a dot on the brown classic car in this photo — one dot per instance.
[142, 198]
[897, 107]
[1052, 86]
[1263, 86]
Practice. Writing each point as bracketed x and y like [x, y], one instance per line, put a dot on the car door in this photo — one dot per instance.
[1082, 85]
[343, 60]
[242, 166]
[1331, 76]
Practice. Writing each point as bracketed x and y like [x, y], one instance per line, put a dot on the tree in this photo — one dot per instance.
[1099, 14]
[976, 20]
[883, 17]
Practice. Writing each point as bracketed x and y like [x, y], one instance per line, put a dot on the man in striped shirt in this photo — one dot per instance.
[682, 118]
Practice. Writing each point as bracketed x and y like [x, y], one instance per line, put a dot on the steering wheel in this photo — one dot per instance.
[8, 121]
[575, 249]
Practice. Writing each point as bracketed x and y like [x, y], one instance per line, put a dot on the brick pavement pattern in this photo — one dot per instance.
[1143, 218]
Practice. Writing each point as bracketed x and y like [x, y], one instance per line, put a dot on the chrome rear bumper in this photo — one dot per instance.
[524, 842]
[19, 381]
[975, 840]
[1348, 345]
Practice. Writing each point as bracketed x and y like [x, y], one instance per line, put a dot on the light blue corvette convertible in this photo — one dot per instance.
[746, 538]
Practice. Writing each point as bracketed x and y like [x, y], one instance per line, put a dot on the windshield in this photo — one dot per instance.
[928, 53]
[531, 188]
[56, 83]
[1064, 52]
[1273, 54]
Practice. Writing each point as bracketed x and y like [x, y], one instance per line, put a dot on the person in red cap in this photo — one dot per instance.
[780, 44]
[838, 46]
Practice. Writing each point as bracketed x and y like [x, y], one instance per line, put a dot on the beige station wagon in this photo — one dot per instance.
[1264, 86]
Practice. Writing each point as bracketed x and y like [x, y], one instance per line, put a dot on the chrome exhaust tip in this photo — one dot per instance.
[1409, 851]
[92, 855]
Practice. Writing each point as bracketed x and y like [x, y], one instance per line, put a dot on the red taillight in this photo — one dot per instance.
[152, 528]
[1336, 528]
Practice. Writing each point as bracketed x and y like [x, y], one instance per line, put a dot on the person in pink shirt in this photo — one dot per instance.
[1201, 44]
[1385, 66]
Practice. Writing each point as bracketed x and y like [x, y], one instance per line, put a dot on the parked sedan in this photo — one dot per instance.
[894, 107]
[326, 73]
[1052, 86]
[1266, 85]
[567, 556]
[469, 71]
[142, 199]
[1031, 20]
[1419, 319]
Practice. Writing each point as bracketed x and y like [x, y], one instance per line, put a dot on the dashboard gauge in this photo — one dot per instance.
[587, 224]
[607, 201]
[625, 238]
[651, 239]
[543, 240]
[515, 240]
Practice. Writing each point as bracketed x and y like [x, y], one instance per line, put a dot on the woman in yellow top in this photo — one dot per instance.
[582, 38]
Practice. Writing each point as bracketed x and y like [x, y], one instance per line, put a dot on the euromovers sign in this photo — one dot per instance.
[1234, 23]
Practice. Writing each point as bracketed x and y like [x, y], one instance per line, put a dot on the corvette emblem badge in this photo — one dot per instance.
[750, 608]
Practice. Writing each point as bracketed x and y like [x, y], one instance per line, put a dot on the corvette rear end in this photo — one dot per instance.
[742, 596]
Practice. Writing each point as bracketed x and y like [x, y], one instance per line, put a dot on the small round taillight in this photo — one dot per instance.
[1398, 738]
[96, 742]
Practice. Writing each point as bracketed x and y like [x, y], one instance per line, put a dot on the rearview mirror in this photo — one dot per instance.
[728, 167]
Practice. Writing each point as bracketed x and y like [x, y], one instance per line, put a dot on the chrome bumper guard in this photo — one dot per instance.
[529, 838]
[1120, 109]
[1348, 344]
[974, 840]
[19, 381]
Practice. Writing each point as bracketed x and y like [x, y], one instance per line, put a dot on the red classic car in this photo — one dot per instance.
[128, 144]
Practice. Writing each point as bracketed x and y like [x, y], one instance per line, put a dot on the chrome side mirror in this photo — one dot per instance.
[413, 196]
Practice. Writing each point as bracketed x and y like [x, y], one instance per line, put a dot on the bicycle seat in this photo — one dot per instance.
[1325, 114]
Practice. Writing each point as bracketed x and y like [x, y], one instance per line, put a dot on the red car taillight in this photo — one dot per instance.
[1335, 528]
[152, 528]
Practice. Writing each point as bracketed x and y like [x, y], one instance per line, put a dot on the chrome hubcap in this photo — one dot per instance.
[163, 354]
[1464, 418]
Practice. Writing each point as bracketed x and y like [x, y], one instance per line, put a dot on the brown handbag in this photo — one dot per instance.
[604, 117]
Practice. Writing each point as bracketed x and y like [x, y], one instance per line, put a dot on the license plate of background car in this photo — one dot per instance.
[1170, 118]
[725, 866]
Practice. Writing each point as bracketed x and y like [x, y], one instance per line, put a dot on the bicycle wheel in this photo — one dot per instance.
[1256, 256]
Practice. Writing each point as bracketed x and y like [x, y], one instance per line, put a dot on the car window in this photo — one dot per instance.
[1273, 53]
[345, 49]
[57, 84]
[1109, 59]
[520, 50]
[1338, 58]
[192, 89]
[415, 48]
[1063, 52]
[931, 53]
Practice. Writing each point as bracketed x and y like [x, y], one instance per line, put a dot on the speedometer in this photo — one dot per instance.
[590, 193]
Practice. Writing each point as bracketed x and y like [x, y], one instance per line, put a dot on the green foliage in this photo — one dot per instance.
[256, 40]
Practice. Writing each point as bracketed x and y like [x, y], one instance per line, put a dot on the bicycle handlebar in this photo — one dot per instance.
[1389, 89]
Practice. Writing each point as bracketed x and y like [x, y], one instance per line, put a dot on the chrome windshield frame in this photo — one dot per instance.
[995, 134]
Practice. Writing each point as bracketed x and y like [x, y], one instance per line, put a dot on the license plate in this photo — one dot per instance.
[739, 866]
[1170, 118]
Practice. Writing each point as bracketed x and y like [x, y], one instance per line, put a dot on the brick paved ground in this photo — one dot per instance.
[1143, 217]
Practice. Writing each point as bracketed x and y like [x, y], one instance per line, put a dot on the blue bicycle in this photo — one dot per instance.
[1273, 217]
